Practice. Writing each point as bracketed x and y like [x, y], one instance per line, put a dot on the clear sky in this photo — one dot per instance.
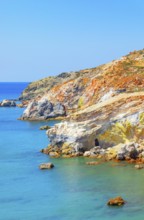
[39, 38]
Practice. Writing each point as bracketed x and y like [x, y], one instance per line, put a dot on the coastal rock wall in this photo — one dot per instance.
[116, 121]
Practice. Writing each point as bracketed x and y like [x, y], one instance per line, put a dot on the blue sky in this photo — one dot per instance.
[39, 38]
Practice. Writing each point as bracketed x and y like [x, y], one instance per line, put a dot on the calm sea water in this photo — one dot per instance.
[70, 191]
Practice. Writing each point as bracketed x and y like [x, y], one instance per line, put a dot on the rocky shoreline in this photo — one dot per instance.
[102, 110]
[120, 136]
[131, 153]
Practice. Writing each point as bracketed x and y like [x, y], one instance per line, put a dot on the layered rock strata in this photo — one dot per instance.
[113, 128]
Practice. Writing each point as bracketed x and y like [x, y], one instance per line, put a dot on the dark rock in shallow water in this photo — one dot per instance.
[7, 103]
[46, 166]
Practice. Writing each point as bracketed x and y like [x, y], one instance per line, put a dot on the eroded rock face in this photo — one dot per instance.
[7, 103]
[42, 110]
[75, 135]
[115, 124]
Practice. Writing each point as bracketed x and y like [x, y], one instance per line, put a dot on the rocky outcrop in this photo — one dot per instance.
[43, 110]
[7, 103]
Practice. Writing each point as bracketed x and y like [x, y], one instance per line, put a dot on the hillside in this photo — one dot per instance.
[83, 88]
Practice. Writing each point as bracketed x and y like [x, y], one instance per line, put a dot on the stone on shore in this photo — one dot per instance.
[118, 201]
[54, 154]
[86, 154]
[45, 150]
[139, 166]
[46, 166]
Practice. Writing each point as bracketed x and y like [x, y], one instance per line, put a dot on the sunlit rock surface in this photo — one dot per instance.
[104, 107]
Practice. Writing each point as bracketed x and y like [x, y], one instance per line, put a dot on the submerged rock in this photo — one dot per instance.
[7, 103]
[92, 163]
[118, 201]
[46, 166]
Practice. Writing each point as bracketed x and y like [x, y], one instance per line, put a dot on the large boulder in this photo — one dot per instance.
[128, 151]
[43, 109]
[7, 103]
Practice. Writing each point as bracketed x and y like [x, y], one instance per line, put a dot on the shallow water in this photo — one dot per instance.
[70, 191]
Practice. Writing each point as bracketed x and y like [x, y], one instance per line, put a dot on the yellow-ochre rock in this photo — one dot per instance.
[118, 201]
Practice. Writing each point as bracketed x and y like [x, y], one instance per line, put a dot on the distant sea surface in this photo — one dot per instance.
[70, 191]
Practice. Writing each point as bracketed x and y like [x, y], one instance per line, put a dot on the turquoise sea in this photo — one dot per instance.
[70, 191]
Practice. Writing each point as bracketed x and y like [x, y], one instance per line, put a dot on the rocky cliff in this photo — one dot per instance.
[105, 107]
[86, 87]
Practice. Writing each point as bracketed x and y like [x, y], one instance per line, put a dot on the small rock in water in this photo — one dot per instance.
[118, 201]
[139, 166]
[46, 166]
[45, 127]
